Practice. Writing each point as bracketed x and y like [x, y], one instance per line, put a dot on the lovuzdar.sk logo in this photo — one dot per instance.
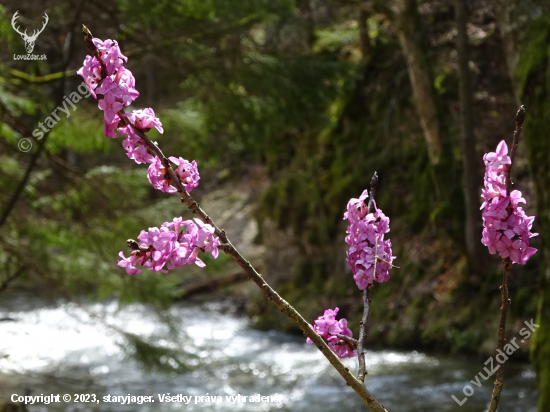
[29, 40]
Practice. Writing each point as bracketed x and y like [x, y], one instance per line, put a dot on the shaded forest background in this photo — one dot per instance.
[288, 108]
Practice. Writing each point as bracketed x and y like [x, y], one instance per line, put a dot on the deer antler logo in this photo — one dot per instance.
[29, 40]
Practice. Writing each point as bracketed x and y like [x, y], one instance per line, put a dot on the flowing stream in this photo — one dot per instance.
[78, 349]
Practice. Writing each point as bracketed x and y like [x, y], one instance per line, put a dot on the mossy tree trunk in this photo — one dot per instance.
[406, 21]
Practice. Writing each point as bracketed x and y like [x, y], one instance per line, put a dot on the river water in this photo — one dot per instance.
[78, 349]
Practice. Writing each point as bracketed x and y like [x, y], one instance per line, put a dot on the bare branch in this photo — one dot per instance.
[11, 278]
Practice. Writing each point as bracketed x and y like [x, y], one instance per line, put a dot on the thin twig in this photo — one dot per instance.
[373, 186]
[358, 386]
[520, 117]
[362, 372]
[42, 79]
[11, 278]
[347, 339]
[499, 380]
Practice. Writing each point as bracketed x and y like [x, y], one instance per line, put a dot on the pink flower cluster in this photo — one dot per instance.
[187, 172]
[366, 240]
[506, 227]
[109, 78]
[175, 244]
[328, 327]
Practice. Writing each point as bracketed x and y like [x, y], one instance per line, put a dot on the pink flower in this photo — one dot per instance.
[206, 239]
[512, 227]
[187, 172]
[490, 238]
[328, 327]
[110, 54]
[125, 76]
[506, 227]
[516, 197]
[497, 208]
[172, 245]
[341, 348]
[113, 60]
[497, 160]
[91, 73]
[111, 127]
[145, 120]
[108, 86]
[357, 208]
[157, 238]
[128, 94]
[110, 106]
[509, 248]
[159, 178]
[136, 148]
[130, 263]
[366, 240]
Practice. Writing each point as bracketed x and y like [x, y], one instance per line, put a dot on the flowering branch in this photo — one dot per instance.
[104, 73]
[362, 372]
[367, 226]
[499, 380]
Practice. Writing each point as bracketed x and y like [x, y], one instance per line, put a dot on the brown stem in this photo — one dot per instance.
[499, 380]
[358, 386]
[520, 116]
[347, 339]
[373, 186]
[362, 372]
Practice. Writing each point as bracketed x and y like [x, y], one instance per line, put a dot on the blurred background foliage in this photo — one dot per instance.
[297, 102]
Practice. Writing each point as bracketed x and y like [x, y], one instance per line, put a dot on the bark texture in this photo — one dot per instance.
[471, 181]
[406, 20]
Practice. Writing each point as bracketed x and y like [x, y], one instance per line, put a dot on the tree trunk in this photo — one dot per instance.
[364, 35]
[525, 30]
[409, 31]
[513, 18]
[470, 177]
